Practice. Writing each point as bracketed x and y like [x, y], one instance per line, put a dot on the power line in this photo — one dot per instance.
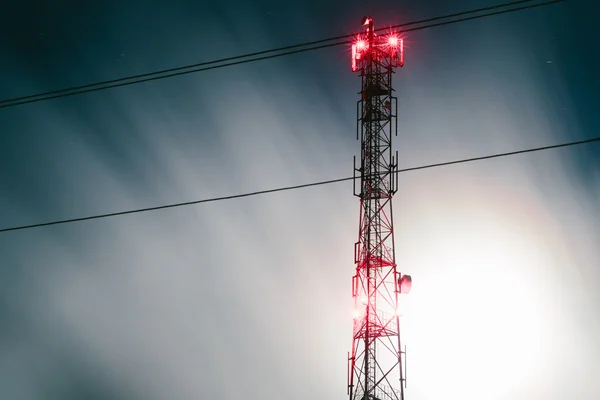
[287, 188]
[202, 64]
[254, 54]
[257, 56]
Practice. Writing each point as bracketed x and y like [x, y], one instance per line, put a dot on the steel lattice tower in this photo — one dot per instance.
[376, 369]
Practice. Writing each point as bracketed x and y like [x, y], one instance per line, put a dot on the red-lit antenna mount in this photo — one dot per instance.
[387, 48]
[375, 365]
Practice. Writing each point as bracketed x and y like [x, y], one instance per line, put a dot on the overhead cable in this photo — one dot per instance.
[258, 56]
[288, 188]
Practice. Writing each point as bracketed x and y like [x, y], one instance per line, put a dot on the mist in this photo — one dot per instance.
[250, 297]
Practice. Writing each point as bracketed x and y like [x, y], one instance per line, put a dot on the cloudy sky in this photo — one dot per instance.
[250, 298]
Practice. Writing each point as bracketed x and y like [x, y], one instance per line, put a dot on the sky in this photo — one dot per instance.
[251, 298]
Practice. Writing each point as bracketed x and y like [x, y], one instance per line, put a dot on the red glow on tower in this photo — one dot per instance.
[389, 47]
[376, 369]
[358, 51]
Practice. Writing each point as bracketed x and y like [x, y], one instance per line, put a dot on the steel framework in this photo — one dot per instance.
[375, 364]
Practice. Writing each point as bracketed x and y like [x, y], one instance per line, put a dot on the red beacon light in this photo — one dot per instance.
[358, 50]
[396, 49]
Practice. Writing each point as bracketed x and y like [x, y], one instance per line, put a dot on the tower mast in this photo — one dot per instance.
[376, 370]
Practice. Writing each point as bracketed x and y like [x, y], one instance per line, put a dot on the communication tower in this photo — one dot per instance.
[375, 364]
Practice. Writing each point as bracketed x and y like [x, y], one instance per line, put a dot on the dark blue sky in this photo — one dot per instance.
[497, 84]
[49, 46]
